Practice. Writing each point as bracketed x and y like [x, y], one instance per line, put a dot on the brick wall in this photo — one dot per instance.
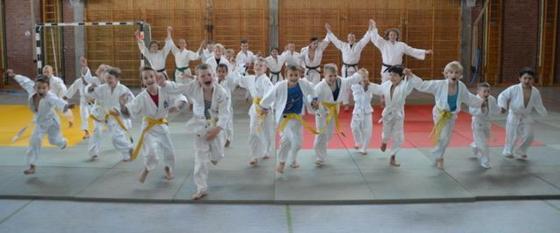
[520, 37]
[19, 48]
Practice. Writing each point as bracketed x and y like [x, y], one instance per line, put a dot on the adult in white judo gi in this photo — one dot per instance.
[351, 50]
[311, 57]
[392, 50]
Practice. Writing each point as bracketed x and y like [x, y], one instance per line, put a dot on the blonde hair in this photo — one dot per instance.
[454, 65]
[331, 68]
[220, 47]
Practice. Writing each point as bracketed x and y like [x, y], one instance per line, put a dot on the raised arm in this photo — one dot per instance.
[168, 42]
[332, 38]
[141, 44]
[376, 39]
[26, 83]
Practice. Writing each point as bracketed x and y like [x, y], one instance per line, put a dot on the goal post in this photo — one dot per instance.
[40, 47]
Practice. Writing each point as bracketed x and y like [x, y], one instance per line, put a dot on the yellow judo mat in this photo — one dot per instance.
[15, 117]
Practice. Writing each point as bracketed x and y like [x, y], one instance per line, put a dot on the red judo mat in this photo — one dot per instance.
[417, 127]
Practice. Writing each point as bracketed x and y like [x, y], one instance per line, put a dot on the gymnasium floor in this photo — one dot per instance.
[352, 193]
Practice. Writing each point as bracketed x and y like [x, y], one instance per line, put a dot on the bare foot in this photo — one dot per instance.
[93, 158]
[394, 162]
[126, 160]
[294, 165]
[143, 175]
[168, 173]
[439, 163]
[319, 163]
[266, 157]
[280, 167]
[30, 170]
[86, 134]
[523, 157]
[363, 152]
[510, 156]
[253, 163]
[199, 195]
[227, 143]
[383, 147]
[356, 146]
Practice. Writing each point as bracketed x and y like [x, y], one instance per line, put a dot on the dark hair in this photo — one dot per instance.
[202, 66]
[146, 68]
[292, 68]
[244, 41]
[222, 65]
[397, 69]
[483, 85]
[527, 70]
[396, 30]
[153, 42]
[42, 79]
[313, 39]
[114, 71]
[274, 48]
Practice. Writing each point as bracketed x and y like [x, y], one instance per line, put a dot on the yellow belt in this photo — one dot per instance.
[117, 119]
[260, 114]
[332, 113]
[151, 122]
[442, 119]
[294, 116]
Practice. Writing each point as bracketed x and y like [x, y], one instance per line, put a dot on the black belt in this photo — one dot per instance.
[349, 65]
[309, 68]
[276, 73]
[182, 69]
[388, 67]
[162, 70]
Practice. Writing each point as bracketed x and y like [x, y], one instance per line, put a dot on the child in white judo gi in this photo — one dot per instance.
[210, 118]
[245, 58]
[286, 101]
[331, 92]
[155, 56]
[361, 123]
[261, 126]
[79, 86]
[481, 123]
[58, 88]
[42, 103]
[183, 57]
[520, 99]
[228, 80]
[449, 94]
[400, 85]
[107, 112]
[153, 106]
